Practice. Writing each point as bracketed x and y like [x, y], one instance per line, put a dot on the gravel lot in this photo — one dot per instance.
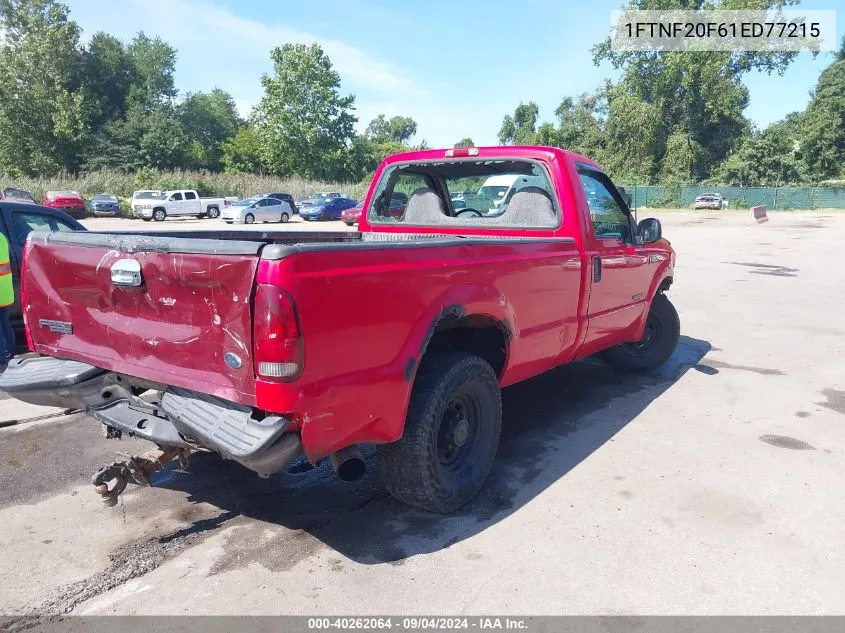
[712, 488]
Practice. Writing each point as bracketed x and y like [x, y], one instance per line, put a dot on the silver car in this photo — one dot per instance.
[257, 209]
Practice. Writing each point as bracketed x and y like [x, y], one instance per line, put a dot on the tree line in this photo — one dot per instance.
[677, 118]
[68, 106]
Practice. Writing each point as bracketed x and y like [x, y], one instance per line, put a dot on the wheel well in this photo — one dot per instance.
[664, 285]
[476, 334]
[159, 209]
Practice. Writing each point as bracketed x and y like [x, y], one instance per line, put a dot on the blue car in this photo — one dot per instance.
[326, 208]
[104, 204]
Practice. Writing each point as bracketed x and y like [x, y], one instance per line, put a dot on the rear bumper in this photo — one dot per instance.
[168, 416]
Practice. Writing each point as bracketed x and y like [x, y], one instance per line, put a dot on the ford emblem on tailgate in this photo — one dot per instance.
[232, 360]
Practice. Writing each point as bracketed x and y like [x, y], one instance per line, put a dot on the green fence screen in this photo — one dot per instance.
[775, 198]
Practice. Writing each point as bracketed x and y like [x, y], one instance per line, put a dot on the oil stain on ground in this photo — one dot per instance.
[835, 400]
[784, 441]
[768, 269]
[763, 371]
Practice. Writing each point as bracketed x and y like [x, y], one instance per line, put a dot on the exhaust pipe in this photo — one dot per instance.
[349, 464]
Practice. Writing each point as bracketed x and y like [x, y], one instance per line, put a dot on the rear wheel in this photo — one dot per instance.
[660, 338]
[451, 434]
[159, 215]
[249, 219]
[285, 217]
[213, 213]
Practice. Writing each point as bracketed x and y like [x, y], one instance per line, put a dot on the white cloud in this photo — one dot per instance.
[221, 30]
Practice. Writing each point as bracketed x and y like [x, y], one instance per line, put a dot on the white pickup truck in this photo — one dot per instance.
[159, 205]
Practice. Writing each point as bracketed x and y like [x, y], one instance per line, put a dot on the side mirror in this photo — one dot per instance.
[650, 230]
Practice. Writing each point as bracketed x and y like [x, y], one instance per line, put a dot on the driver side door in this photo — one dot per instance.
[620, 273]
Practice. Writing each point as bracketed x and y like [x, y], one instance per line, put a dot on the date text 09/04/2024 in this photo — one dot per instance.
[417, 623]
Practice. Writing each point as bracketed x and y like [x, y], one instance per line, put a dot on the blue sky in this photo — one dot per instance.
[455, 66]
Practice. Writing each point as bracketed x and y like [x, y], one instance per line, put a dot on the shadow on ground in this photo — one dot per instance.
[543, 438]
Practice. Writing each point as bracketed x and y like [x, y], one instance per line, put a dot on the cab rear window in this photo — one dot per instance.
[494, 193]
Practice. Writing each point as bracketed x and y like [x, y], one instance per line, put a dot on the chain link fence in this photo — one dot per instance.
[775, 198]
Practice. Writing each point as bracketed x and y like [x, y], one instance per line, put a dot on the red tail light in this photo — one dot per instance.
[276, 335]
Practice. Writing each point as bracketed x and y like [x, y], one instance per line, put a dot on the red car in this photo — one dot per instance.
[240, 336]
[351, 216]
[70, 202]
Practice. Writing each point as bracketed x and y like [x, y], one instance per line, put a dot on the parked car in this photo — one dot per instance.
[328, 195]
[70, 202]
[182, 202]
[257, 209]
[709, 201]
[13, 194]
[326, 208]
[264, 347]
[17, 220]
[104, 204]
[281, 196]
[351, 216]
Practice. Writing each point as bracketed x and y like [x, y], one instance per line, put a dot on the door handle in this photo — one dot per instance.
[596, 269]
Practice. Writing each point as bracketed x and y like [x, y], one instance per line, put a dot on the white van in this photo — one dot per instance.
[501, 189]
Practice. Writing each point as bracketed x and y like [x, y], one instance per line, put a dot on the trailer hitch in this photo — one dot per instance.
[110, 481]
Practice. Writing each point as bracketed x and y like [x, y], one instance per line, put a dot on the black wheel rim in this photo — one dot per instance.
[458, 434]
[653, 333]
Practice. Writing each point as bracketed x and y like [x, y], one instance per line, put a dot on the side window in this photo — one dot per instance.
[25, 223]
[176, 196]
[609, 219]
[190, 195]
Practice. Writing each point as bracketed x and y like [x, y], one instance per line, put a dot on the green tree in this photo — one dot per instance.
[770, 159]
[153, 63]
[42, 108]
[698, 98]
[106, 74]
[465, 142]
[398, 129]
[164, 144]
[242, 153]
[209, 120]
[117, 144]
[305, 126]
[521, 128]
[823, 144]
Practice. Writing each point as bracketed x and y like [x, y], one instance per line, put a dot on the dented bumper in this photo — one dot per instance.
[167, 416]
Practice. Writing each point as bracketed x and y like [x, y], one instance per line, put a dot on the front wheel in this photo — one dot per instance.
[249, 219]
[660, 338]
[451, 434]
[159, 215]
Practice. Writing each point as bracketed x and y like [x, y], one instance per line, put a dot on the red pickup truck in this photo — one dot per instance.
[262, 346]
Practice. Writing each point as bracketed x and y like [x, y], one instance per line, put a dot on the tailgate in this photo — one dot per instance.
[187, 324]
